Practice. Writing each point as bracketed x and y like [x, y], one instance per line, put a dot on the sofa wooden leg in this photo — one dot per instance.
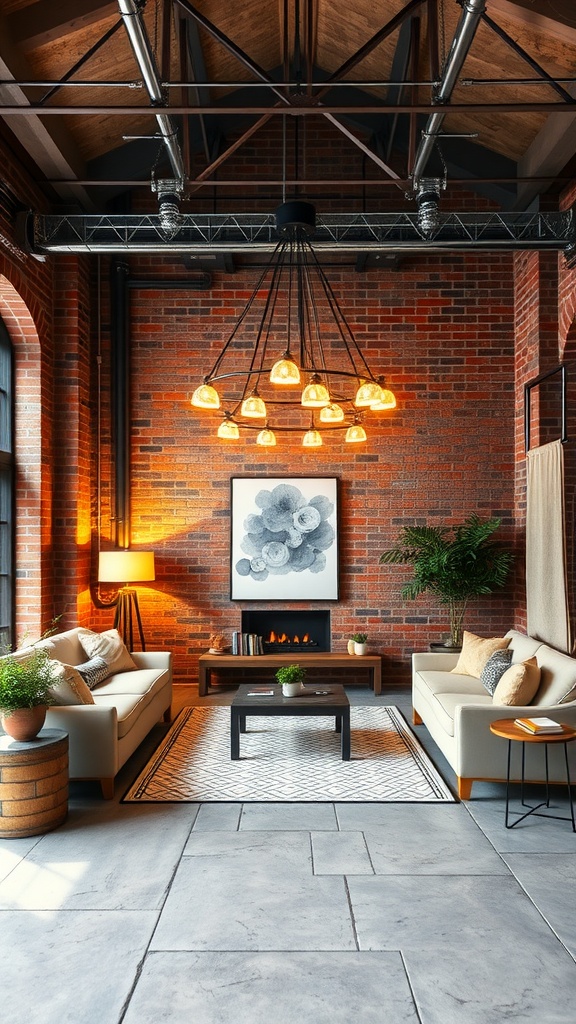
[168, 714]
[107, 788]
[416, 717]
[464, 788]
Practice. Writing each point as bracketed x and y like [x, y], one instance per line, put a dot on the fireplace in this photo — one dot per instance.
[285, 631]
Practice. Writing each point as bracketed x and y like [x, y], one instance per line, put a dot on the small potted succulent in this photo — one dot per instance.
[291, 678]
[360, 643]
[25, 693]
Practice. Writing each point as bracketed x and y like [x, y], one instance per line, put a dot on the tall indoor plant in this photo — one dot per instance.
[454, 562]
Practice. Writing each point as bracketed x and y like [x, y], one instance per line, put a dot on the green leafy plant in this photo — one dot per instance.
[291, 674]
[454, 562]
[359, 638]
[25, 682]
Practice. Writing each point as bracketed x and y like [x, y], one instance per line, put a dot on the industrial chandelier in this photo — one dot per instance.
[304, 371]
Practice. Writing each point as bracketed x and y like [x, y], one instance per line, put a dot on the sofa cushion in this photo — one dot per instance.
[445, 705]
[109, 646]
[447, 682]
[475, 653]
[140, 681]
[557, 677]
[68, 686]
[519, 684]
[522, 646]
[93, 671]
[494, 669]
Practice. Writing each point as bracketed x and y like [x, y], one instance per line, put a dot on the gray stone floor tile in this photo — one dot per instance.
[76, 967]
[424, 839]
[12, 851]
[550, 880]
[534, 986]
[260, 988]
[269, 907]
[246, 853]
[102, 861]
[417, 912]
[340, 853]
[291, 817]
[533, 835]
[218, 818]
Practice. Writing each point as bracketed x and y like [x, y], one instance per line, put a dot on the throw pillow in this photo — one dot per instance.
[475, 653]
[68, 687]
[110, 647]
[93, 671]
[494, 669]
[519, 684]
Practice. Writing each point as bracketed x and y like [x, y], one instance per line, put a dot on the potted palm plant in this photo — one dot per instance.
[454, 562]
[25, 693]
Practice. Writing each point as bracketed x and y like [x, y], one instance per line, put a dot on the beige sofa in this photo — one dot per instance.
[103, 735]
[457, 711]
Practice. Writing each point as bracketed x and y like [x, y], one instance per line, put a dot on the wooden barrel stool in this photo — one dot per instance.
[33, 784]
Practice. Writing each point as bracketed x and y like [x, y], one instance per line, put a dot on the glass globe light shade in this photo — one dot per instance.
[315, 395]
[312, 439]
[368, 393]
[387, 400]
[332, 413]
[206, 397]
[285, 371]
[253, 407]
[355, 433]
[228, 430]
[267, 438]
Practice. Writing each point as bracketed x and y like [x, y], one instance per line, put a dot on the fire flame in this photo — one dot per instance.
[283, 638]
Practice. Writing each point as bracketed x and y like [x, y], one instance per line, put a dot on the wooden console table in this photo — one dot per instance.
[209, 662]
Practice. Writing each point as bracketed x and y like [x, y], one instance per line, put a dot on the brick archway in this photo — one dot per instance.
[23, 334]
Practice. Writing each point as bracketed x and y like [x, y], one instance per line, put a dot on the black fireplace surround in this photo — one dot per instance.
[284, 630]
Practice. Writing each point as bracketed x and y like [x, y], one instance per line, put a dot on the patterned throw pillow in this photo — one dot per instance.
[68, 687]
[494, 669]
[93, 671]
[110, 647]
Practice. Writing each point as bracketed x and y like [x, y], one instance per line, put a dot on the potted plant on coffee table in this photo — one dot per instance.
[291, 678]
[25, 693]
[454, 562]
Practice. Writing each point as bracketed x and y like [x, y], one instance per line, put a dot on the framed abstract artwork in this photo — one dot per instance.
[284, 538]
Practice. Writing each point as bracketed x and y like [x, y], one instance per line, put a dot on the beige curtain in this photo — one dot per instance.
[546, 585]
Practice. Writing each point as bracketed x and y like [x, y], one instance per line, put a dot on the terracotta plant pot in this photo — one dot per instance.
[24, 724]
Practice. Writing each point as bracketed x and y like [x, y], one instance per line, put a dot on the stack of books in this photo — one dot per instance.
[247, 643]
[538, 726]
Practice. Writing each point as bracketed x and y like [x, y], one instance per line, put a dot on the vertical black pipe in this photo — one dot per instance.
[120, 383]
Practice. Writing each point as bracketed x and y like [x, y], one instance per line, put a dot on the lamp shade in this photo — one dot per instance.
[126, 566]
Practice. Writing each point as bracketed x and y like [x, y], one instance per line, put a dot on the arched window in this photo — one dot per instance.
[7, 570]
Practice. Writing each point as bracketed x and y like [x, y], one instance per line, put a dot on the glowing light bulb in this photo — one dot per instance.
[387, 400]
[253, 407]
[312, 439]
[285, 371]
[355, 433]
[206, 397]
[332, 413]
[267, 438]
[368, 393]
[228, 430]
[315, 395]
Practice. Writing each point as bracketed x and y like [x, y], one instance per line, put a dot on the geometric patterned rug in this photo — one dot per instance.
[289, 759]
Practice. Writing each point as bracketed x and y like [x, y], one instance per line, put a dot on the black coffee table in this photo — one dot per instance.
[332, 700]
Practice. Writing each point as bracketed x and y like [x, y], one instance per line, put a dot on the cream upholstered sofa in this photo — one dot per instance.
[127, 704]
[457, 711]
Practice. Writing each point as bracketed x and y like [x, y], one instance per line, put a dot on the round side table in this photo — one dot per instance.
[33, 784]
[508, 730]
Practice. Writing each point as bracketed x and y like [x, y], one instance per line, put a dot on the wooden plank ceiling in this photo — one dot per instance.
[521, 55]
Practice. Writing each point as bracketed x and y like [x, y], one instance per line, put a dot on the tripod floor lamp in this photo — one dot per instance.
[122, 568]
